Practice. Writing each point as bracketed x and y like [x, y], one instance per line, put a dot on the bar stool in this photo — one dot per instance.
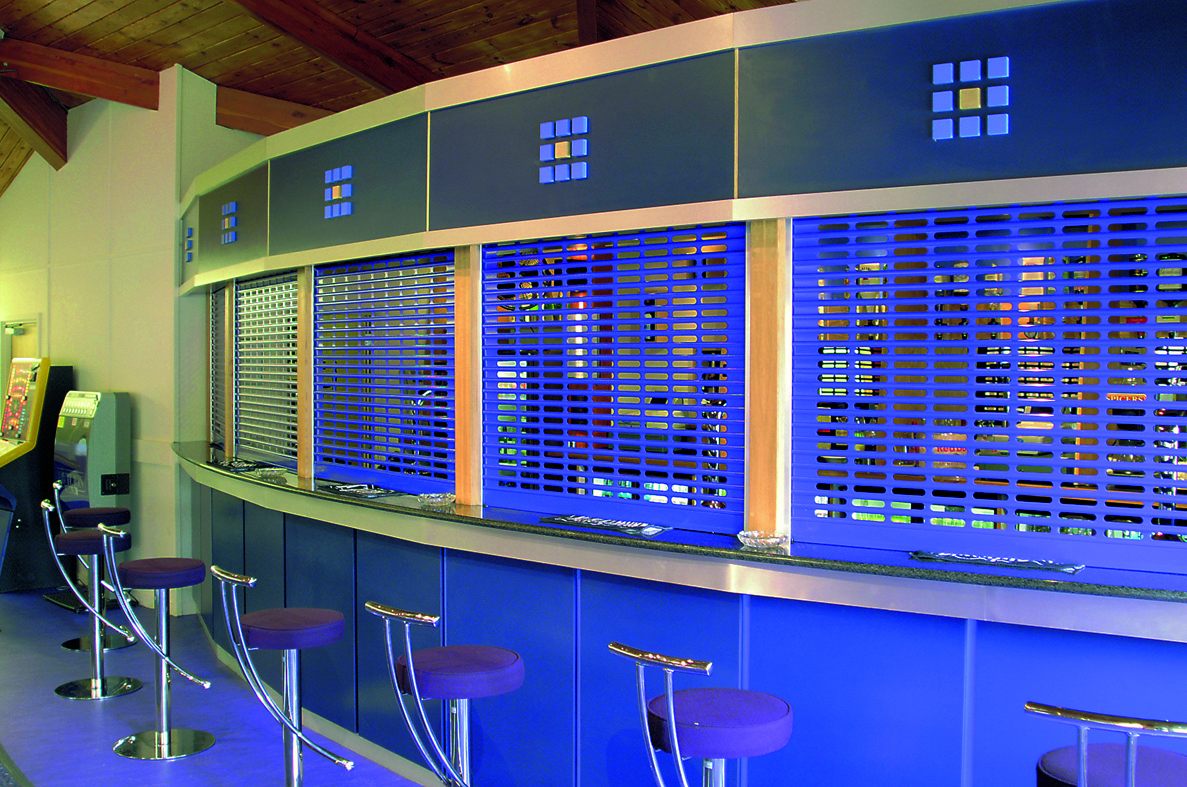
[76, 519]
[1110, 764]
[89, 541]
[160, 575]
[455, 673]
[712, 725]
[290, 629]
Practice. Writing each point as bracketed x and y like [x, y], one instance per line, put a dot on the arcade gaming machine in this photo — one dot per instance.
[26, 471]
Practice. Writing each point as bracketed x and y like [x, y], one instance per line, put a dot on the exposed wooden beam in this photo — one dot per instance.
[587, 22]
[334, 38]
[245, 111]
[88, 76]
[38, 119]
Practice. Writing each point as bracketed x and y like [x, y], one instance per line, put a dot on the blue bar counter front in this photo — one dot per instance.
[877, 691]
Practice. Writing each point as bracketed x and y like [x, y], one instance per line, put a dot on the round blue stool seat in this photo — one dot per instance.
[88, 541]
[1106, 767]
[715, 724]
[292, 628]
[93, 517]
[462, 672]
[162, 573]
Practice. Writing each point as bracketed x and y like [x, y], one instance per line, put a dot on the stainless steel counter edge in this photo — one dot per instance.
[1147, 618]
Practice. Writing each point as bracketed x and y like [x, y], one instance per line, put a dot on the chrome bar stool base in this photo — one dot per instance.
[101, 689]
[151, 745]
[83, 644]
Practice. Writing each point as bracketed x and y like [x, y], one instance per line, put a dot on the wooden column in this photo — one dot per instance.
[229, 367]
[467, 335]
[305, 373]
[768, 386]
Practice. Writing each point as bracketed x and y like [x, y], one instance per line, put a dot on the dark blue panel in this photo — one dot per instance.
[526, 737]
[319, 572]
[871, 692]
[242, 203]
[204, 540]
[668, 619]
[660, 135]
[854, 110]
[263, 558]
[385, 188]
[226, 551]
[406, 576]
[1117, 675]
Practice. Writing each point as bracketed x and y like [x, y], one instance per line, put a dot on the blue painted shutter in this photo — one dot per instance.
[613, 376]
[266, 369]
[1004, 381]
[384, 372]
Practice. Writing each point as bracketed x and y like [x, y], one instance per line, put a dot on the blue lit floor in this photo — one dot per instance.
[58, 742]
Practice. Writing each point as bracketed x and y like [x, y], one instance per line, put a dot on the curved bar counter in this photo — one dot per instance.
[915, 657]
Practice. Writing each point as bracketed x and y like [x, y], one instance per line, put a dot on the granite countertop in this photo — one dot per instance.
[828, 557]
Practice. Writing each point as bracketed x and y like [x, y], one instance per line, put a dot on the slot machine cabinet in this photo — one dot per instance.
[93, 450]
[26, 469]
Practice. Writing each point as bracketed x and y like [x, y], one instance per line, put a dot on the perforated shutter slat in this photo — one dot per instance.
[998, 380]
[266, 367]
[218, 350]
[384, 371]
[613, 376]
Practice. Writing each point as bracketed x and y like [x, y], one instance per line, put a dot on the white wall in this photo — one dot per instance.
[93, 251]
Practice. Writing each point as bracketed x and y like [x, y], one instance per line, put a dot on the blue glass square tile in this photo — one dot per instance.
[998, 96]
[347, 189]
[997, 67]
[329, 194]
[189, 244]
[579, 170]
[547, 130]
[561, 172]
[581, 147]
[941, 129]
[996, 125]
[943, 74]
[970, 70]
[348, 172]
[234, 222]
[189, 257]
[346, 211]
[581, 125]
[329, 176]
[970, 126]
[330, 215]
[546, 175]
[189, 233]
[547, 152]
[941, 101]
[563, 128]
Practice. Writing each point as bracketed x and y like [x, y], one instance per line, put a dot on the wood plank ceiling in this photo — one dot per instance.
[279, 63]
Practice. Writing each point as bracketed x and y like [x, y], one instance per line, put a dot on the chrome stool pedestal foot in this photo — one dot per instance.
[83, 644]
[151, 745]
[101, 689]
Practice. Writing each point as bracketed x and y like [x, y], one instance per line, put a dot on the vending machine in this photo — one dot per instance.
[93, 450]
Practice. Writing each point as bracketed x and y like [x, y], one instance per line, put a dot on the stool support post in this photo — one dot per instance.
[292, 710]
[95, 589]
[713, 773]
[459, 736]
[164, 708]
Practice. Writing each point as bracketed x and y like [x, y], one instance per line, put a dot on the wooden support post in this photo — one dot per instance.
[768, 387]
[468, 376]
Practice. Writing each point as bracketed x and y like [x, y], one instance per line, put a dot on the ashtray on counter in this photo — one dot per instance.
[762, 539]
[436, 499]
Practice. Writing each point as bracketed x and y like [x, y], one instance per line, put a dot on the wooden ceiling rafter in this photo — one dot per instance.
[351, 48]
[36, 117]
